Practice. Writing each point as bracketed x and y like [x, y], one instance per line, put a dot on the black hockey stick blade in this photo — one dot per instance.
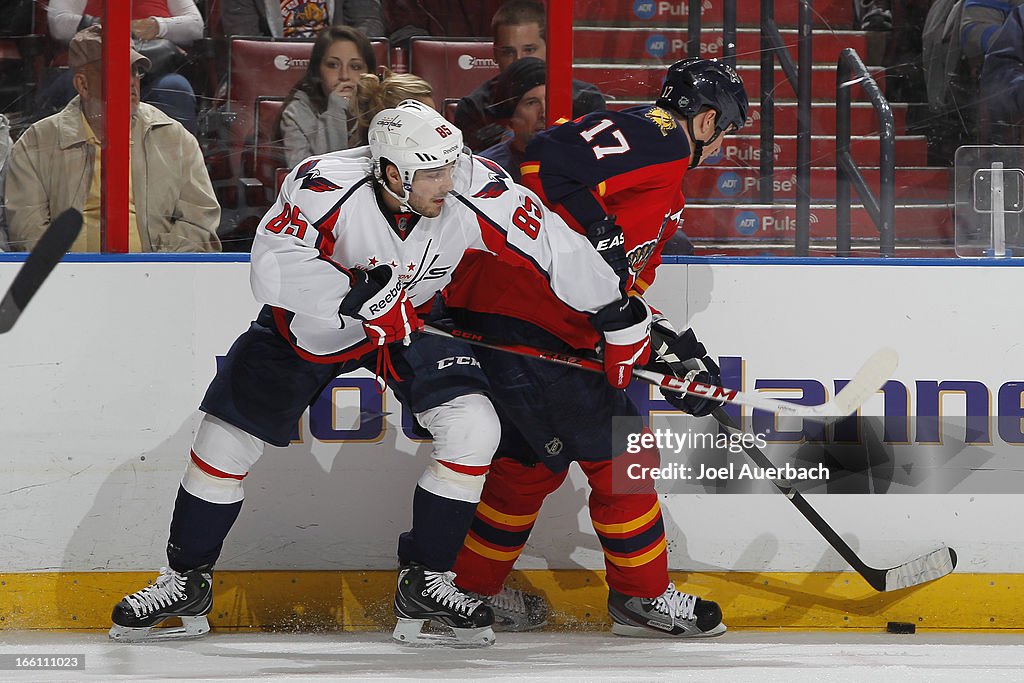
[48, 252]
[928, 567]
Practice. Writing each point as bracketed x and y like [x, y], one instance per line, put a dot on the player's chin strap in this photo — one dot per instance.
[699, 145]
[402, 200]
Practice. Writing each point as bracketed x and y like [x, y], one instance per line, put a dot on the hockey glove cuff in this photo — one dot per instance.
[684, 357]
[626, 327]
[378, 299]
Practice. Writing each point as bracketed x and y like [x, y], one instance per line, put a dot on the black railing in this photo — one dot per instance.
[799, 77]
[693, 30]
[850, 72]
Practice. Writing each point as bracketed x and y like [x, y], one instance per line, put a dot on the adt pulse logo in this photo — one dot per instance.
[657, 45]
[729, 184]
[644, 9]
[746, 223]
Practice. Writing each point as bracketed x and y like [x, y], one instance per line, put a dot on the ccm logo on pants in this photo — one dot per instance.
[457, 360]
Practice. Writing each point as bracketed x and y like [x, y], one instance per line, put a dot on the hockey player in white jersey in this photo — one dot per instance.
[356, 249]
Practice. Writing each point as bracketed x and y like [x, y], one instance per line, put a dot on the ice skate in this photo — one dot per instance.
[670, 615]
[188, 595]
[516, 610]
[423, 596]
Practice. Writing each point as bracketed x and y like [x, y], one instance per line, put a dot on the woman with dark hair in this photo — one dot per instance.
[316, 116]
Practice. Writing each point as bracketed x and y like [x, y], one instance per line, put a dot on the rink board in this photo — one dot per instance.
[102, 375]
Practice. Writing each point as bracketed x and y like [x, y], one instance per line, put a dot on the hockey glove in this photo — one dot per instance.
[681, 355]
[610, 243]
[378, 299]
[626, 327]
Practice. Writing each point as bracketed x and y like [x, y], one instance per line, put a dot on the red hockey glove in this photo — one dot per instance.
[379, 300]
[626, 327]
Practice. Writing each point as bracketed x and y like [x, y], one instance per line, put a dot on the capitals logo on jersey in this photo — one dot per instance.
[312, 180]
[498, 185]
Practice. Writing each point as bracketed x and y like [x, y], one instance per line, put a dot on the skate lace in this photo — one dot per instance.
[441, 586]
[676, 605]
[509, 600]
[169, 586]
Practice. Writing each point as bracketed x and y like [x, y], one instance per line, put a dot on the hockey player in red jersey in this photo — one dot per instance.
[615, 176]
[355, 249]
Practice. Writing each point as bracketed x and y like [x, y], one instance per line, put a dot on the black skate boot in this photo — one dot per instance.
[670, 615]
[423, 595]
[516, 610]
[188, 595]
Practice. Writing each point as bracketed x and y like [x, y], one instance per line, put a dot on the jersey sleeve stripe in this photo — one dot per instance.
[282, 318]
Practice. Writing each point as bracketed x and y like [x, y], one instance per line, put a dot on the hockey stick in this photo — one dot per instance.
[864, 384]
[928, 567]
[48, 252]
[876, 371]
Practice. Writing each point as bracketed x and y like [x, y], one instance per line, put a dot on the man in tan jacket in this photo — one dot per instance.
[55, 165]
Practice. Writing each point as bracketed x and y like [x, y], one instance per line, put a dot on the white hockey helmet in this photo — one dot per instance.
[412, 136]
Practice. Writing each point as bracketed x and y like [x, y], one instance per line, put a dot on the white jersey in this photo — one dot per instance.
[328, 220]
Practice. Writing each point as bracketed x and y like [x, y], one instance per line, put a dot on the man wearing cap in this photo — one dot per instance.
[518, 101]
[56, 165]
[519, 31]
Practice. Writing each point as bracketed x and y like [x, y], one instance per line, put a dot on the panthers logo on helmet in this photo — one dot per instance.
[497, 186]
[662, 119]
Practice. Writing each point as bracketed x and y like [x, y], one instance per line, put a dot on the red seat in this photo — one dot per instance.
[454, 67]
[449, 107]
[268, 153]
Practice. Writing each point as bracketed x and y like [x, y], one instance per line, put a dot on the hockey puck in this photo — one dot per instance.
[900, 627]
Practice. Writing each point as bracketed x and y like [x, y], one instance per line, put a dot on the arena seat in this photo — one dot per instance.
[452, 66]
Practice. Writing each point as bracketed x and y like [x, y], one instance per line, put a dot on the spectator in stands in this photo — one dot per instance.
[316, 118]
[873, 15]
[979, 21]
[1002, 78]
[374, 95]
[5, 150]
[55, 165]
[164, 29]
[519, 96]
[518, 29]
[299, 18]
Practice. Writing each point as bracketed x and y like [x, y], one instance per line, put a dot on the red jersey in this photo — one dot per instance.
[629, 164]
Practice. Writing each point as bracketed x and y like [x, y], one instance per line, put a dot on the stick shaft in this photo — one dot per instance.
[658, 379]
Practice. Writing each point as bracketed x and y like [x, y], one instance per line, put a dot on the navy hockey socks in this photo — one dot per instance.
[439, 527]
[198, 529]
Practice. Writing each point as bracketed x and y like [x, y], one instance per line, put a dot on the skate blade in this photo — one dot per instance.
[517, 626]
[410, 632]
[191, 627]
[648, 632]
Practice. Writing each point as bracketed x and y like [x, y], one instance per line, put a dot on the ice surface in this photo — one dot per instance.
[739, 656]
